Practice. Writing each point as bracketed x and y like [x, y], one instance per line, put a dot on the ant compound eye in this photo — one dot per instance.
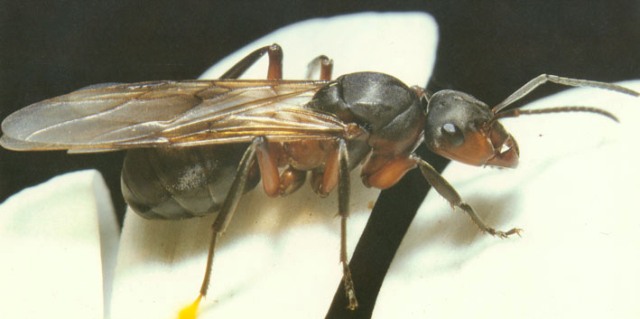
[452, 134]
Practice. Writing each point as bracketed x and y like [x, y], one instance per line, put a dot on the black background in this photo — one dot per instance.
[487, 48]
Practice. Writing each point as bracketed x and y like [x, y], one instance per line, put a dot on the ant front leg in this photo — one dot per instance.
[449, 193]
[275, 63]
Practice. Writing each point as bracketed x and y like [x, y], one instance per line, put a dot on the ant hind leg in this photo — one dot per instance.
[275, 63]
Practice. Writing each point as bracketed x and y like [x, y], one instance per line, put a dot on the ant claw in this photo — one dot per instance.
[502, 234]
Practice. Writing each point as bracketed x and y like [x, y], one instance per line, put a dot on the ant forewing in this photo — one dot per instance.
[195, 147]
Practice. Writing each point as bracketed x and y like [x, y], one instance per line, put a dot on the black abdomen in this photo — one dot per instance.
[176, 183]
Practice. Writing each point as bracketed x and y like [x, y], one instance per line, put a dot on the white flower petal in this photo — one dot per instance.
[279, 257]
[56, 239]
[573, 194]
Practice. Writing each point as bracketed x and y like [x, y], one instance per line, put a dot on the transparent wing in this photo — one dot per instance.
[169, 113]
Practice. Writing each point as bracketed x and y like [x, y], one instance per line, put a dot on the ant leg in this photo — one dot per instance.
[344, 191]
[291, 180]
[544, 78]
[449, 193]
[229, 207]
[268, 163]
[275, 63]
[222, 221]
[336, 173]
[323, 64]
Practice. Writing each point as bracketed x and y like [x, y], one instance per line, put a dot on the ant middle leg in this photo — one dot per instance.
[337, 172]
[344, 193]
[322, 64]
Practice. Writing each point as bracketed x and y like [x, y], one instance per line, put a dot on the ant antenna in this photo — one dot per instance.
[500, 111]
[560, 109]
[544, 78]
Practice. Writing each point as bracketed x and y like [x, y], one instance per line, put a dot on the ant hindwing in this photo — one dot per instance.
[195, 147]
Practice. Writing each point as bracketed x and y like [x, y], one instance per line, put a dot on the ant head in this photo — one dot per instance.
[464, 129]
